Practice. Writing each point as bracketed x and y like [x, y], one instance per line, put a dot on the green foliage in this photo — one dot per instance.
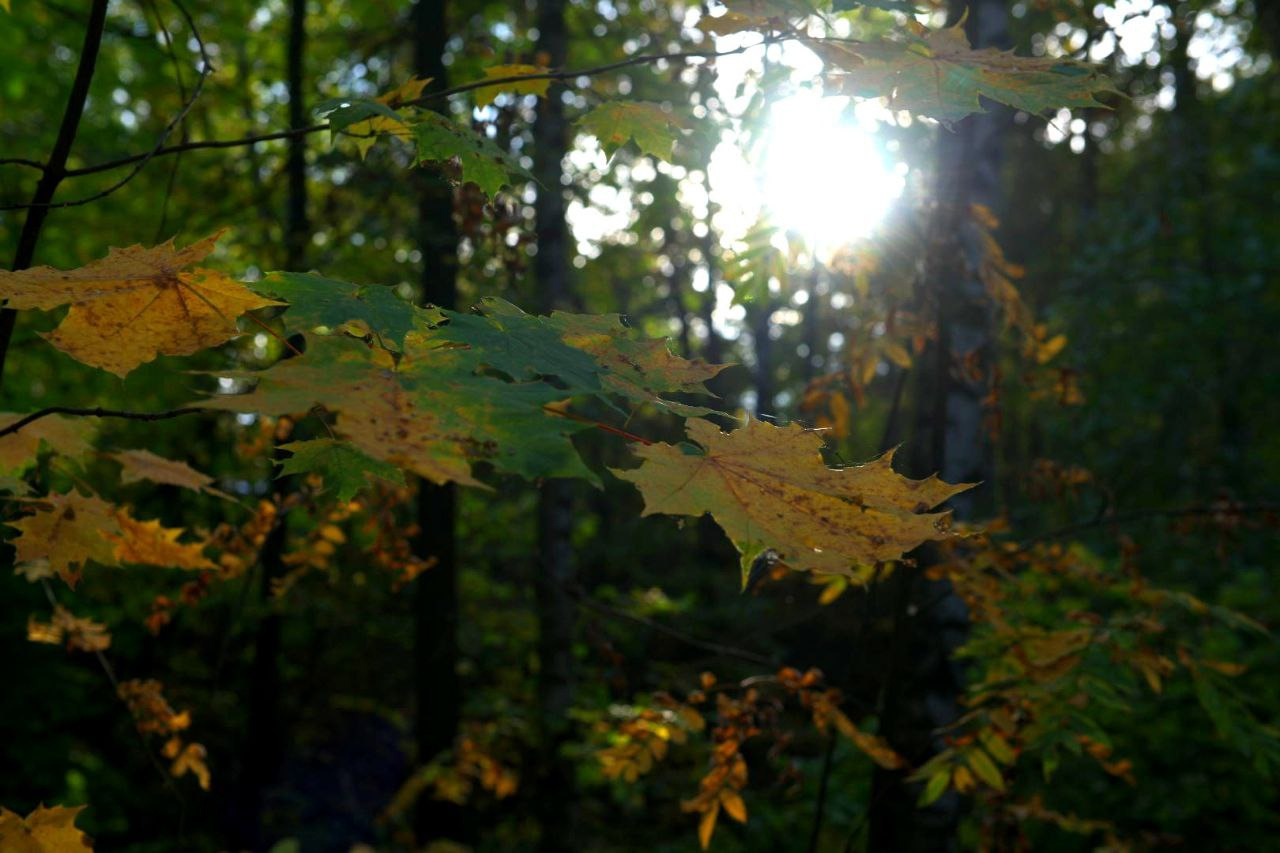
[344, 468]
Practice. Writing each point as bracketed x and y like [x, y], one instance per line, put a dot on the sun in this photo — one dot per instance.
[822, 175]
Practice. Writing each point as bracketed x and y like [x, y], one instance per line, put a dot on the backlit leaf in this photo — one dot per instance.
[484, 96]
[428, 411]
[481, 160]
[768, 488]
[616, 123]
[940, 75]
[135, 304]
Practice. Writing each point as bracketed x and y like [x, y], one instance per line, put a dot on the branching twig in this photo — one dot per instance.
[445, 93]
[58, 172]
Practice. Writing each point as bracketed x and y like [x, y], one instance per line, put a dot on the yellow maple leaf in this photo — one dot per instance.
[64, 533]
[150, 544]
[769, 490]
[45, 830]
[485, 95]
[135, 304]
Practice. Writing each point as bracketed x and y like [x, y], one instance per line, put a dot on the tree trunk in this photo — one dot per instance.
[555, 507]
[264, 731]
[923, 682]
[438, 693]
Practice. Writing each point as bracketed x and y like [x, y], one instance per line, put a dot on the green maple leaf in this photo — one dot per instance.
[482, 162]
[344, 112]
[941, 76]
[523, 346]
[616, 123]
[427, 411]
[633, 366]
[316, 301]
[343, 467]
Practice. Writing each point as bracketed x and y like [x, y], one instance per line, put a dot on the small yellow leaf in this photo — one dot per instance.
[734, 807]
[707, 826]
[896, 353]
[191, 760]
[1225, 667]
[985, 768]
[485, 95]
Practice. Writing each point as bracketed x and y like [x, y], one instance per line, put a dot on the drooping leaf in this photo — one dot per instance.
[484, 96]
[135, 304]
[343, 467]
[481, 160]
[768, 488]
[615, 123]
[66, 436]
[939, 75]
[46, 830]
[140, 464]
[316, 301]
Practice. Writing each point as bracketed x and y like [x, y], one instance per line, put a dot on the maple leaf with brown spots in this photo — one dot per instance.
[769, 490]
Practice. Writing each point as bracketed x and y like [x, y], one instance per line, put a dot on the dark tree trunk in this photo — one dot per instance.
[923, 682]
[438, 693]
[555, 507]
[265, 735]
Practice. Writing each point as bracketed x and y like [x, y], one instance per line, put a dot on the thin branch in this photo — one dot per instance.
[1227, 509]
[22, 161]
[58, 172]
[97, 412]
[456, 90]
[585, 601]
[55, 169]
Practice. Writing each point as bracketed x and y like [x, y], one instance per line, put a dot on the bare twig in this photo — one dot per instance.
[96, 412]
[585, 601]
